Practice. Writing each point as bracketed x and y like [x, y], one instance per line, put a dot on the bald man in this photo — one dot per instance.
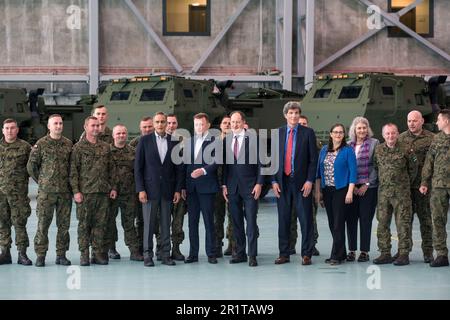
[418, 141]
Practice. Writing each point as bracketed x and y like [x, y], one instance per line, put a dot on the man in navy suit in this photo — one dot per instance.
[292, 184]
[201, 186]
[241, 186]
[158, 182]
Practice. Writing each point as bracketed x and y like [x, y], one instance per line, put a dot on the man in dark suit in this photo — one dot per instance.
[292, 184]
[158, 182]
[241, 186]
[201, 187]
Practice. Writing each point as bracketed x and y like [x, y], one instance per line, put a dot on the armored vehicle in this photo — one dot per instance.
[380, 97]
[31, 113]
[129, 100]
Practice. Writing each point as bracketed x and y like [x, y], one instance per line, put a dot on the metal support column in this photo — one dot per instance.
[93, 47]
[309, 59]
[301, 9]
[287, 44]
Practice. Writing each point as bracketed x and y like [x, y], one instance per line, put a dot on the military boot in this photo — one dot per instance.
[176, 253]
[229, 250]
[40, 261]
[402, 260]
[384, 258]
[100, 258]
[395, 257]
[5, 256]
[135, 255]
[62, 260]
[428, 257]
[113, 254]
[440, 261]
[84, 258]
[23, 258]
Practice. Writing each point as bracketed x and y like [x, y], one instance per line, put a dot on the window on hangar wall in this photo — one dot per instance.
[187, 17]
[420, 19]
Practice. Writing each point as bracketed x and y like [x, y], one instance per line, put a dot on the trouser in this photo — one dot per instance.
[294, 226]
[398, 205]
[178, 212]
[14, 211]
[47, 203]
[291, 198]
[126, 204]
[439, 210]
[92, 215]
[243, 205]
[362, 209]
[150, 211]
[334, 200]
[421, 207]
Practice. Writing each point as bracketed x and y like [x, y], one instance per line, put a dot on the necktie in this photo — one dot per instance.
[288, 157]
[236, 147]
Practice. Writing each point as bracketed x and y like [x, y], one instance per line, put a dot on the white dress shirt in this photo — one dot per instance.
[161, 142]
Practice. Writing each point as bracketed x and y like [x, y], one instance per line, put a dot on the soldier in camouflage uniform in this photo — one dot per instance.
[123, 157]
[14, 202]
[303, 121]
[436, 174]
[93, 182]
[397, 169]
[418, 141]
[105, 134]
[49, 166]
[146, 127]
[179, 209]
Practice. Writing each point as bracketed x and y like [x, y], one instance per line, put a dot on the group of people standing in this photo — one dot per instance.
[153, 190]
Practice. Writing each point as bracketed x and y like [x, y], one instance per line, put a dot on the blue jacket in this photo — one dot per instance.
[345, 168]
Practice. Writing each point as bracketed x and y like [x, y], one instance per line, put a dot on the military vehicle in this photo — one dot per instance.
[129, 100]
[380, 97]
[31, 113]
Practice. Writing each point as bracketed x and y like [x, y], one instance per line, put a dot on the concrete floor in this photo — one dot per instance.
[125, 279]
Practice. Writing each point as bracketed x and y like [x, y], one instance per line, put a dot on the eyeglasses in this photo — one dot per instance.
[337, 132]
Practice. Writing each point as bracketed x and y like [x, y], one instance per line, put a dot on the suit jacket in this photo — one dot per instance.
[158, 180]
[205, 184]
[305, 157]
[241, 173]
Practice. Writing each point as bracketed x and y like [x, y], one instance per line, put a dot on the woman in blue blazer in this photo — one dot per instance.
[336, 178]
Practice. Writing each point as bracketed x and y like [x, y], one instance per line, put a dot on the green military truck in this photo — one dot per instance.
[380, 97]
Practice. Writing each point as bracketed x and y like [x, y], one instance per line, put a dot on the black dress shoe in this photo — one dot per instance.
[212, 260]
[238, 260]
[315, 252]
[168, 262]
[191, 259]
[252, 262]
[363, 257]
[148, 262]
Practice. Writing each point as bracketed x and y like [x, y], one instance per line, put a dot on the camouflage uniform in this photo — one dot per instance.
[133, 143]
[397, 169]
[105, 136]
[419, 145]
[92, 173]
[49, 166]
[437, 171]
[123, 159]
[14, 202]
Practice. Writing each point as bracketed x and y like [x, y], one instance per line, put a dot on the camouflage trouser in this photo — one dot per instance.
[294, 234]
[14, 211]
[439, 210]
[46, 205]
[421, 206]
[92, 218]
[221, 208]
[178, 212]
[399, 206]
[126, 204]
